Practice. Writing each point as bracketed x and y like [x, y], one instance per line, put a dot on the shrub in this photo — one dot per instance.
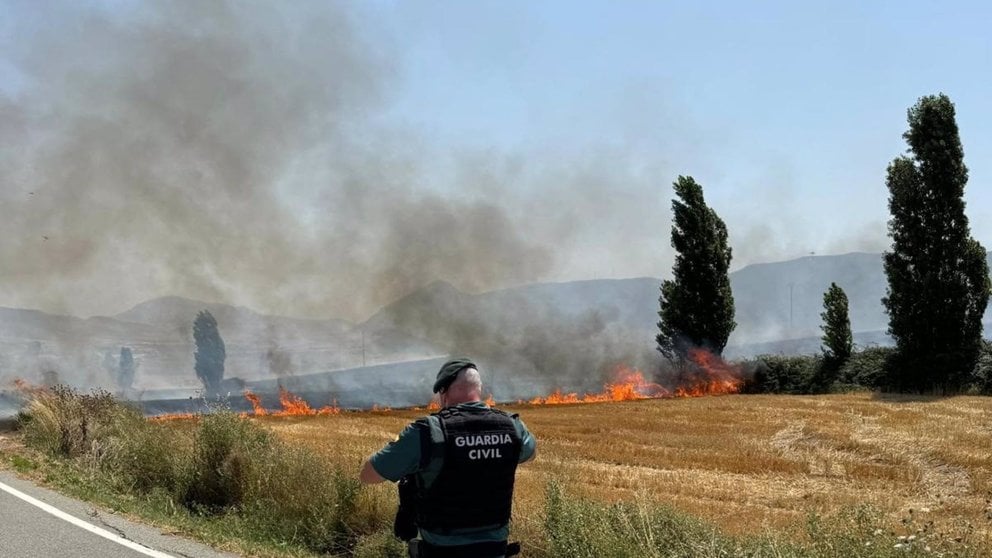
[580, 528]
[783, 374]
[147, 456]
[226, 465]
[225, 447]
[577, 528]
[281, 493]
[64, 423]
[867, 367]
[103, 434]
[295, 497]
[983, 369]
[381, 544]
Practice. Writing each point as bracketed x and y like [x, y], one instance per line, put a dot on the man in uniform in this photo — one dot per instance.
[460, 464]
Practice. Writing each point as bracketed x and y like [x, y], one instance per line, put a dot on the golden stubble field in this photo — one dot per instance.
[747, 463]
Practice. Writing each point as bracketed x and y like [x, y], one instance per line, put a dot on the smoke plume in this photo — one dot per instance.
[224, 151]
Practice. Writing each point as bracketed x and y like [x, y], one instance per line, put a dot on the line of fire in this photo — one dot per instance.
[705, 375]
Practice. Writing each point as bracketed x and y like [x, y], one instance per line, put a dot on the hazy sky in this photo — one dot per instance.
[321, 159]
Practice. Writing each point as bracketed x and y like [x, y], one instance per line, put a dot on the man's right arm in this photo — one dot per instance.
[396, 460]
[369, 475]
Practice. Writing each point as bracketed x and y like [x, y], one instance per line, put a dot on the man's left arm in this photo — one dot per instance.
[528, 445]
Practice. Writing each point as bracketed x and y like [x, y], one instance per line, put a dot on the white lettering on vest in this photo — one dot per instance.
[483, 440]
[492, 453]
[487, 443]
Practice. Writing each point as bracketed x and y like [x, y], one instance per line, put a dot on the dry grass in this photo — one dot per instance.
[749, 464]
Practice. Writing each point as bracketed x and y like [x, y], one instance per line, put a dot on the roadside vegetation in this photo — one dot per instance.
[719, 476]
[221, 477]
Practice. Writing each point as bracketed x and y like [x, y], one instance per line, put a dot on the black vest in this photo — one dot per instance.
[474, 487]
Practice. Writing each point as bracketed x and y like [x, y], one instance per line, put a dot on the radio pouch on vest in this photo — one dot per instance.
[405, 523]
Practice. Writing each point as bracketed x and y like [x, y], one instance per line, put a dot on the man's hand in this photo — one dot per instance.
[369, 474]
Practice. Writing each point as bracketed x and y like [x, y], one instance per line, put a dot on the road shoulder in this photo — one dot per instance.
[142, 534]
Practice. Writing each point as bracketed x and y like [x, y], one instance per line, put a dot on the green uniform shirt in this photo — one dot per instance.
[402, 457]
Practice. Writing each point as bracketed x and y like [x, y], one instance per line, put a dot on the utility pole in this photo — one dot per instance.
[363, 348]
[791, 285]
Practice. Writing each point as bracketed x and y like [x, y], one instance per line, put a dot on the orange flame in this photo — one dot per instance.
[27, 388]
[714, 376]
[711, 376]
[292, 405]
[256, 404]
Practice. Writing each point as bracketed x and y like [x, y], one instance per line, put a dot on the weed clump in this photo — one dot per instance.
[579, 528]
[381, 544]
[293, 496]
[63, 423]
[104, 436]
[226, 469]
[585, 529]
[223, 453]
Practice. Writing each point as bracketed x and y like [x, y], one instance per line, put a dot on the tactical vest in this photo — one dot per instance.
[474, 487]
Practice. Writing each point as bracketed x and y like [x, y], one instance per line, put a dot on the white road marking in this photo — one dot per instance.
[83, 524]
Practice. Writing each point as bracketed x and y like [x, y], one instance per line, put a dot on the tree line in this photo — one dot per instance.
[938, 276]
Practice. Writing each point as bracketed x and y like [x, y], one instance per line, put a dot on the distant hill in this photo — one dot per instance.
[571, 330]
[84, 352]
[778, 308]
[177, 314]
[784, 300]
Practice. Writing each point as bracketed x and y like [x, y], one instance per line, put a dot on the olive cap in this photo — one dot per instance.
[449, 371]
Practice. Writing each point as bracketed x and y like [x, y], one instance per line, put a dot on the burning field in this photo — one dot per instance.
[702, 375]
[749, 464]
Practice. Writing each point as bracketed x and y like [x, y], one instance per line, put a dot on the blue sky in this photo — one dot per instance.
[547, 133]
[791, 106]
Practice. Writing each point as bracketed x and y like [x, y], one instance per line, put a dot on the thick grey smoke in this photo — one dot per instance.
[241, 152]
[223, 151]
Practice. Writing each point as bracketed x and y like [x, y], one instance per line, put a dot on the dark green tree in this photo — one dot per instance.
[697, 305]
[938, 275]
[210, 353]
[125, 370]
[837, 339]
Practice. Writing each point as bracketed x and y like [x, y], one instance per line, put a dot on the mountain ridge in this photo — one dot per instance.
[536, 325]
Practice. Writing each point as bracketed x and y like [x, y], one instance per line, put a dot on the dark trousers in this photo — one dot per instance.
[422, 549]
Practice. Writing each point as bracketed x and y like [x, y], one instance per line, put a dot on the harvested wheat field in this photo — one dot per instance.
[746, 463]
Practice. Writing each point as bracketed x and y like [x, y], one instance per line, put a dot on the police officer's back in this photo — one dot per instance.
[456, 469]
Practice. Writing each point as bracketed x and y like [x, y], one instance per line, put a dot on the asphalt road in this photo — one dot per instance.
[27, 531]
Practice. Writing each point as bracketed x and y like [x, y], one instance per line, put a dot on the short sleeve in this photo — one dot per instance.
[401, 457]
[528, 443]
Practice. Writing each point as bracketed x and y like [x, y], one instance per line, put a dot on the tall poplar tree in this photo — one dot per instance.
[838, 342]
[697, 305]
[210, 352]
[125, 370]
[938, 275]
